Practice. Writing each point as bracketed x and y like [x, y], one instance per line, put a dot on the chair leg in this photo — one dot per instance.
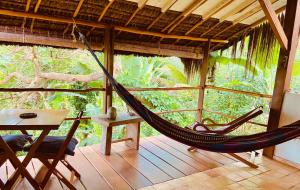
[71, 168]
[58, 174]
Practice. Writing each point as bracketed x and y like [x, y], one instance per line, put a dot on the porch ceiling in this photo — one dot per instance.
[173, 23]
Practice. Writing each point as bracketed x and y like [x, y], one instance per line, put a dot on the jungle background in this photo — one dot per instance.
[47, 67]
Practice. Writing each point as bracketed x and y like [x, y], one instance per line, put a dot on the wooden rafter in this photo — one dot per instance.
[210, 13]
[102, 25]
[101, 15]
[164, 9]
[170, 27]
[274, 22]
[255, 24]
[36, 8]
[141, 5]
[74, 14]
[238, 9]
[26, 10]
[242, 17]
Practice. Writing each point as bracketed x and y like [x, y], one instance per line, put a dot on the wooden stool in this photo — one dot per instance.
[132, 132]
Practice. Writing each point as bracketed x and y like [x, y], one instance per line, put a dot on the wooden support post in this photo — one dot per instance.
[108, 62]
[203, 73]
[284, 68]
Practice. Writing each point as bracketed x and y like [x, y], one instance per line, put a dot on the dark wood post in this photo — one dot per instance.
[108, 62]
[203, 73]
[284, 68]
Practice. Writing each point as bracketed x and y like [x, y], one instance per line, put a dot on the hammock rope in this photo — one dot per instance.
[210, 142]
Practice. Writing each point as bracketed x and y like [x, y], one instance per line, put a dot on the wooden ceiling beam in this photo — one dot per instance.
[145, 48]
[275, 23]
[183, 15]
[164, 9]
[102, 25]
[74, 14]
[101, 15]
[141, 5]
[36, 8]
[26, 10]
[210, 13]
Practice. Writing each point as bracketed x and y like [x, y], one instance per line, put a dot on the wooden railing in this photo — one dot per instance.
[253, 94]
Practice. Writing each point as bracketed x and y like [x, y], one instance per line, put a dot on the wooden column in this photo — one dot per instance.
[203, 73]
[108, 62]
[284, 68]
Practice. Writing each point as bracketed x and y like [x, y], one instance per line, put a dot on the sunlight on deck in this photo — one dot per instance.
[162, 163]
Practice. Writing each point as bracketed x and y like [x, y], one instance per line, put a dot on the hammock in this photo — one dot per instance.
[210, 142]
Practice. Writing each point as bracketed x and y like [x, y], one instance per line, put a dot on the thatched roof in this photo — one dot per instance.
[138, 22]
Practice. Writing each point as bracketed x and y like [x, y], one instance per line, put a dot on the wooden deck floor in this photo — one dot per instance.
[162, 163]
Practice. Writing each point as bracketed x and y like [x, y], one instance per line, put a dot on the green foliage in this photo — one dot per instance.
[133, 71]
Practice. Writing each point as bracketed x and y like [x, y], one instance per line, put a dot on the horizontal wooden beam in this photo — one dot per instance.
[274, 22]
[239, 92]
[145, 48]
[101, 25]
[95, 89]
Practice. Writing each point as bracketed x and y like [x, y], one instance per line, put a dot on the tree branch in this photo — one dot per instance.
[15, 75]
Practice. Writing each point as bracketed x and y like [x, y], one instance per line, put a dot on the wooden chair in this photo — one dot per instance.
[226, 128]
[10, 144]
[54, 149]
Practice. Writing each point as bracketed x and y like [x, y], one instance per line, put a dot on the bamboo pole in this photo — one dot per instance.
[101, 25]
[203, 75]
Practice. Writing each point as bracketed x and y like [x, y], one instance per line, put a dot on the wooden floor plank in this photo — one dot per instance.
[212, 155]
[194, 154]
[190, 161]
[110, 175]
[163, 165]
[128, 172]
[149, 170]
[175, 162]
[90, 178]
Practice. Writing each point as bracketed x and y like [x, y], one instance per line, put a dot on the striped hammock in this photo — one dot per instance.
[210, 142]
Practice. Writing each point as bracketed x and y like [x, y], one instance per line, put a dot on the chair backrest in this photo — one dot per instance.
[70, 134]
[243, 119]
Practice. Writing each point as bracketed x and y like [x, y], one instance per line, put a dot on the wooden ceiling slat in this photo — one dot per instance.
[238, 9]
[210, 13]
[101, 15]
[183, 15]
[74, 15]
[164, 9]
[243, 17]
[36, 8]
[238, 33]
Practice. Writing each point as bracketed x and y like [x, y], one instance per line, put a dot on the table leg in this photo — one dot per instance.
[106, 140]
[133, 132]
[11, 181]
